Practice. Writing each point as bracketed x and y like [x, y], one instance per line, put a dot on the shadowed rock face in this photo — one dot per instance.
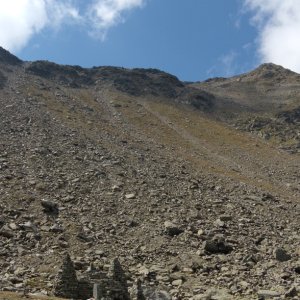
[6, 61]
[291, 116]
[139, 82]
[132, 81]
[135, 82]
[73, 76]
[8, 58]
[2, 80]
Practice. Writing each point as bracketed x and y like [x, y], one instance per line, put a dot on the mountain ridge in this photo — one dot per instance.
[8, 58]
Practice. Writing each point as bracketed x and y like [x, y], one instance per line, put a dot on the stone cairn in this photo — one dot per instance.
[111, 286]
[66, 284]
[114, 287]
[139, 291]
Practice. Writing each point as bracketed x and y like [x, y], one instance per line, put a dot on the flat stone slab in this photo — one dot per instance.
[267, 294]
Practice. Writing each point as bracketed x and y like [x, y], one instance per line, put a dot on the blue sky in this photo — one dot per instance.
[192, 39]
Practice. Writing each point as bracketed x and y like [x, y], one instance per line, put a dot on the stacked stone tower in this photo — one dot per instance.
[111, 286]
[66, 284]
[139, 291]
[117, 275]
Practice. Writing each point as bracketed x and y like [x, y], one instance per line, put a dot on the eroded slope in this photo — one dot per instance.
[123, 168]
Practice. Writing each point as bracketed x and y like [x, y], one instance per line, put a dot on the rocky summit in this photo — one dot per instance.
[194, 187]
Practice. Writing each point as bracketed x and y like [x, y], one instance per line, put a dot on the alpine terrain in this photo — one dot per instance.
[192, 187]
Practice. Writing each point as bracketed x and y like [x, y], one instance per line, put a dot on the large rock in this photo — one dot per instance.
[281, 255]
[214, 293]
[267, 294]
[217, 245]
[292, 292]
[171, 229]
[5, 232]
[146, 293]
[50, 207]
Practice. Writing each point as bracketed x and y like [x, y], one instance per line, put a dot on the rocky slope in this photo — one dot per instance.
[109, 162]
[264, 101]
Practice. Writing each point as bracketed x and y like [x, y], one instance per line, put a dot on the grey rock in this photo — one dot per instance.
[130, 196]
[267, 294]
[155, 294]
[292, 292]
[225, 218]
[219, 223]
[6, 233]
[29, 226]
[213, 294]
[281, 255]
[56, 228]
[172, 229]
[13, 226]
[217, 245]
[177, 282]
[50, 207]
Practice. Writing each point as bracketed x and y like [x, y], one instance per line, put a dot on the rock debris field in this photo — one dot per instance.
[108, 162]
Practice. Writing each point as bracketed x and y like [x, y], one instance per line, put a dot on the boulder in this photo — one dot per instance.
[281, 255]
[217, 245]
[171, 229]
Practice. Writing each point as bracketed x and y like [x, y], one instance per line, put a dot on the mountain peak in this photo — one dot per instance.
[7, 58]
[272, 67]
[269, 71]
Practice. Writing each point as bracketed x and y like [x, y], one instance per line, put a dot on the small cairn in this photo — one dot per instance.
[111, 286]
[139, 291]
[66, 283]
[117, 274]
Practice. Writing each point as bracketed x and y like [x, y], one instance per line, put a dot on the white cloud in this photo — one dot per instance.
[228, 62]
[104, 14]
[278, 22]
[227, 65]
[21, 19]
[60, 12]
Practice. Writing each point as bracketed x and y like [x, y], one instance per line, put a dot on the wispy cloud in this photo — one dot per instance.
[278, 23]
[104, 14]
[61, 12]
[228, 62]
[227, 65]
[22, 19]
